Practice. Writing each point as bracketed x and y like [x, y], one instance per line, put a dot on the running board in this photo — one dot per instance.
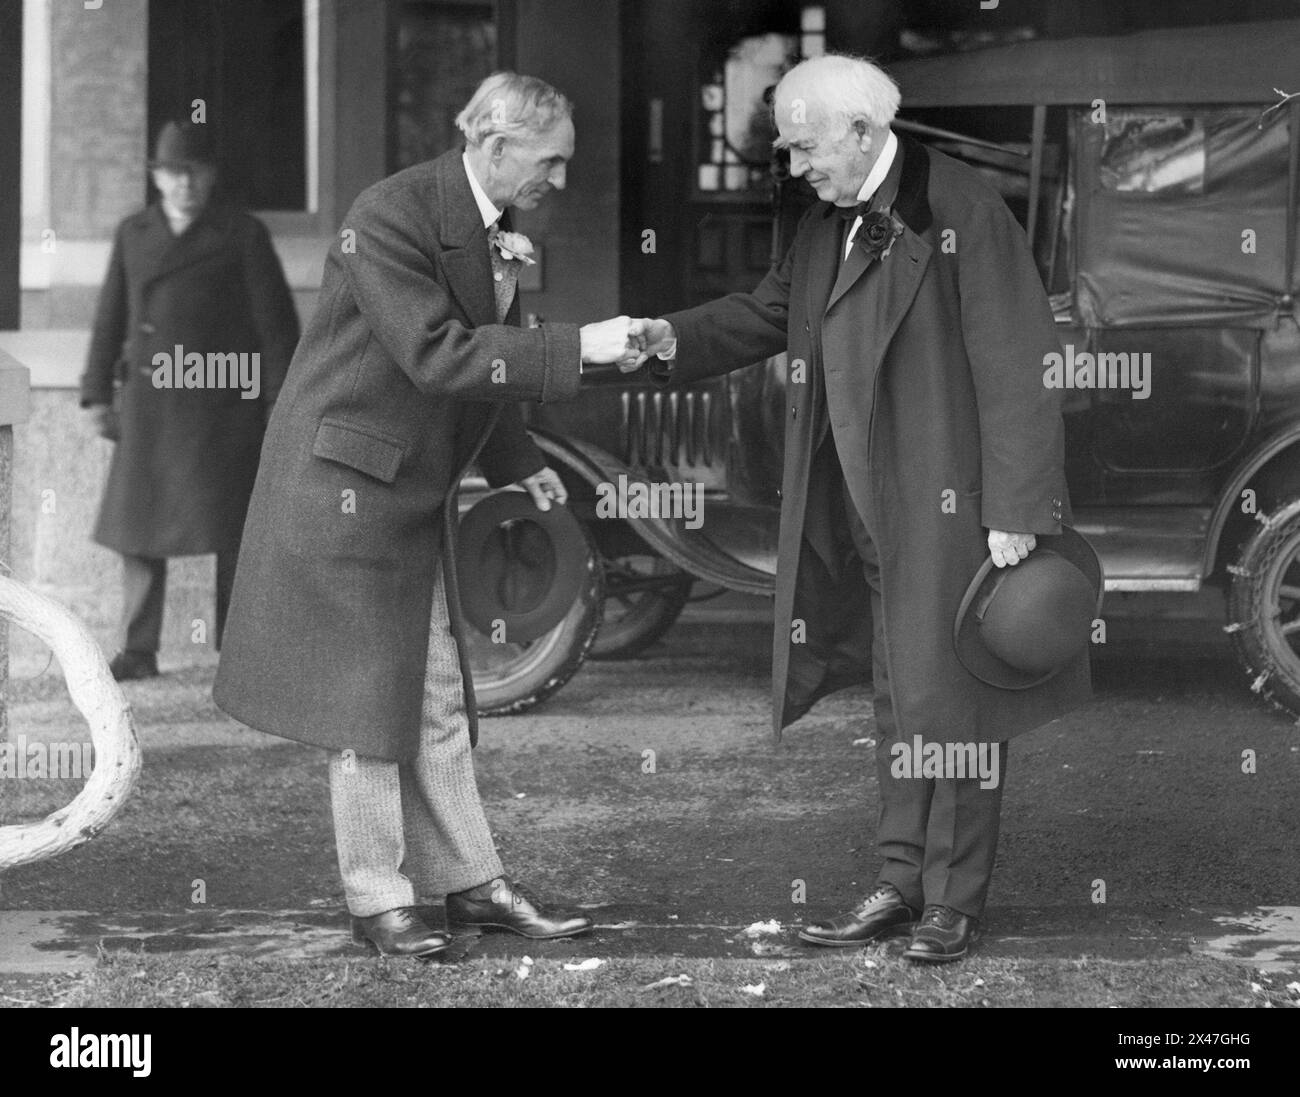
[1147, 548]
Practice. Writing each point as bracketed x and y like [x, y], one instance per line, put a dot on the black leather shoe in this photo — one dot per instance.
[129, 665]
[943, 935]
[501, 904]
[880, 915]
[399, 932]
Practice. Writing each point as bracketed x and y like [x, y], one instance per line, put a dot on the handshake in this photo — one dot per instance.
[625, 341]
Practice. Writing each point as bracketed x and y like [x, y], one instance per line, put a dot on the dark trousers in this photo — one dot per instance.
[938, 836]
[144, 589]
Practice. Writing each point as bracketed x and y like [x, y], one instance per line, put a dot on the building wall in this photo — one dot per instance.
[59, 470]
[84, 147]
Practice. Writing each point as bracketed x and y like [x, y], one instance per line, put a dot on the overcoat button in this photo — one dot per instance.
[148, 329]
[794, 413]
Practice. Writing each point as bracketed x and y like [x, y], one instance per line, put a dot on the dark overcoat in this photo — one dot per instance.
[182, 472]
[934, 383]
[403, 378]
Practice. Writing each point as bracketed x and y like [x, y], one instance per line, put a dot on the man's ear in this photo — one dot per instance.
[862, 130]
[498, 146]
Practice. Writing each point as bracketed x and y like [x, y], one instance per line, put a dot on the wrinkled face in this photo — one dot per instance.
[524, 168]
[186, 187]
[833, 156]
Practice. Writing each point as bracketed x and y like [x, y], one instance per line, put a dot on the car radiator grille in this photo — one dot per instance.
[662, 429]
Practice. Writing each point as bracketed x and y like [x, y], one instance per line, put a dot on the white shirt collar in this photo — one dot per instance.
[490, 214]
[880, 168]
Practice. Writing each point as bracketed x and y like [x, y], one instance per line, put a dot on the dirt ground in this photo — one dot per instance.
[1143, 789]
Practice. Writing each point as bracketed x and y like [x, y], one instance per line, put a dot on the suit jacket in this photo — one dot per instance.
[403, 379]
[932, 379]
[182, 473]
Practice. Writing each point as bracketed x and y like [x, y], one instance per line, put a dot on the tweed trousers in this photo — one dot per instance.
[415, 829]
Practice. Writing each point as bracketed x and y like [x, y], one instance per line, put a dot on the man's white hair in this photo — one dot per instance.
[844, 87]
[509, 103]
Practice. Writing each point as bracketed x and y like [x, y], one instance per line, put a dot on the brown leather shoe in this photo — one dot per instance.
[501, 904]
[880, 915]
[399, 932]
[943, 935]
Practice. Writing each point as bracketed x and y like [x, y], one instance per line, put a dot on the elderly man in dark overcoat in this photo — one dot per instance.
[344, 630]
[919, 437]
[190, 279]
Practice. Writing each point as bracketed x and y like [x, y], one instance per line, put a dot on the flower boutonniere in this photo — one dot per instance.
[879, 230]
[515, 245]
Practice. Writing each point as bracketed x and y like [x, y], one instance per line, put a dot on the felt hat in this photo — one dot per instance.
[519, 566]
[183, 144]
[1020, 625]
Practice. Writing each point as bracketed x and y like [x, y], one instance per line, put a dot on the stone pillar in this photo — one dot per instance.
[15, 402]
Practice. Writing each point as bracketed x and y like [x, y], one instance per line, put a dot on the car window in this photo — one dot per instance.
[1152, 154]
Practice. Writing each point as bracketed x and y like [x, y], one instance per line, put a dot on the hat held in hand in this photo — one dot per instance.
[1020, 625]
[519, 566]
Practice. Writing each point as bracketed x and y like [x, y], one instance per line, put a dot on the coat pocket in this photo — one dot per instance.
[360, 448]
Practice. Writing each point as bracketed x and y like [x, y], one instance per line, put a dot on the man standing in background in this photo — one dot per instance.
[191, 281]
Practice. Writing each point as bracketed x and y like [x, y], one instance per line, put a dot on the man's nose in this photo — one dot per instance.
[556, 178]
[798, 165]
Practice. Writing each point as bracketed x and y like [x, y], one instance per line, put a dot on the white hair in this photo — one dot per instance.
[844, 87]
[509, 103]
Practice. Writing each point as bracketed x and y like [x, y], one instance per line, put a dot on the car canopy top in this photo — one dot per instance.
[1227, 63]
[1185, 173]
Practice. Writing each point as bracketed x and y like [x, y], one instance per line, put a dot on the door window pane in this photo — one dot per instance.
[246, 63]
[443, 52]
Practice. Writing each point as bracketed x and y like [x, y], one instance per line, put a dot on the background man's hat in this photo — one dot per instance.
[1020, 625]
[182, 144]
[519, 565]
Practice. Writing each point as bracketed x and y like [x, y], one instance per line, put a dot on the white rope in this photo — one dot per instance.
[112, 730]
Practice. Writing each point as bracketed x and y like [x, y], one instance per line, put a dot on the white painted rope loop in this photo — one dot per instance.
[100, 701]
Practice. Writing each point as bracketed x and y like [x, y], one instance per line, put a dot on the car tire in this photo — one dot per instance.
[1264, 607]
[514, 677]
[634, 621]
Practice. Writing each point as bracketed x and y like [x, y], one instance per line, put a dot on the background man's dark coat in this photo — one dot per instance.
[937, 387]
[182, 473]
[401, 376]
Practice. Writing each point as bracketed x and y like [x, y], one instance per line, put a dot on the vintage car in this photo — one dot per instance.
[1158, 178]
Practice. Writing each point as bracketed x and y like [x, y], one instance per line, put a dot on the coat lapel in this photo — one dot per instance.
[207, 236]
[464, 259]
[911, 253]
[823, 264]
[851, 269]
[909, 257]
[857, 263]
[906, 267]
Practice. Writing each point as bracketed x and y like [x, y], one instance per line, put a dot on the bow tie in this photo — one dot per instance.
[849, 213]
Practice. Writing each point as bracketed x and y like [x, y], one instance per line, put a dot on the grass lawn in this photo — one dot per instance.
[871, 978]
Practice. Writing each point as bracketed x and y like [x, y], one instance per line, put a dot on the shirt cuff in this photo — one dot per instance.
[669, 354]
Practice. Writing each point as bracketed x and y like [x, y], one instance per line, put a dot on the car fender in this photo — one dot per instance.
[664, 536]
[1231, 496]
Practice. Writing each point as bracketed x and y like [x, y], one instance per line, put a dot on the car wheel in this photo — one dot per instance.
[1264, 607]
[644, 596]
[510, 677]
